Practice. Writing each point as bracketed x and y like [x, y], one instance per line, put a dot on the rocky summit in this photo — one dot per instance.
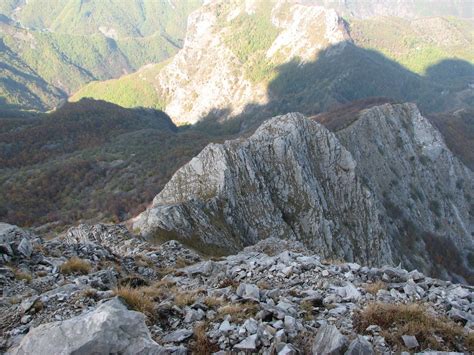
[381, 188]
[292, 179]
[99, 289]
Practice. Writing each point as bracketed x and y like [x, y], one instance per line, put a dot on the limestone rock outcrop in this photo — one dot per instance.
[424, 192]
[275, 297]
[292, 179]
[383, 188]
[222, 87]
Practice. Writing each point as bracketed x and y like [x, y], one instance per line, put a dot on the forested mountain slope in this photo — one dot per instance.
[89, 160]
[51, 49]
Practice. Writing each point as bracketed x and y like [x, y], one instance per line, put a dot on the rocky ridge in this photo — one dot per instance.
[274, 297]
[291, 179]
[423, 190]
[382, 188]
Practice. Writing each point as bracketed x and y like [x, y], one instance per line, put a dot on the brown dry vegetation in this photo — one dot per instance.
[412, 319]
[375, 287]
[458, 131]
[137, 300]
[182, 299]
[238, 311]
[143, 298]
[228, 282]
[201, 344]
[75, 265]
[307, 307]
[213, 302]
[21, 275]
[341, 117]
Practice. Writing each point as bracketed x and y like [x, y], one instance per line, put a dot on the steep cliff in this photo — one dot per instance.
[424, 191]
[230, 54]
[291, 179]
[383, 188]
[259, 59]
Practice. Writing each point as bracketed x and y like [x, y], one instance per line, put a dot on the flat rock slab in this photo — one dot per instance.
[248, 344]
[109, 329]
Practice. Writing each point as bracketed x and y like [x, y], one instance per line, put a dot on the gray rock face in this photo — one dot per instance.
[111, 328]
[248, 344]
[420, 186]
[248, 291]
[382, 189]
[329, 341]
[15, 242]
[291, 179]
[410, 341]
[25, 247]
[177, 336]
[223, 84]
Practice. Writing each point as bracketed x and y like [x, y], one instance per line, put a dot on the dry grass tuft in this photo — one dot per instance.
[412, 319]
[89, 293]
[21, 275]
[333, 261]
[264, 285]
[228, 283]
[307, 307]
[375, 287]
[162, 272]
[143, 261]
[469, 343]
[213, 302]
[186, 298]
[137, 299]
[239, 311]
[160, 290]
[75, 265]
[201, 344]
[182, 262]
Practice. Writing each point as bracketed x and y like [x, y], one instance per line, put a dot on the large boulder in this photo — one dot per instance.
[15, 242]
[329, 341]
[109, 329]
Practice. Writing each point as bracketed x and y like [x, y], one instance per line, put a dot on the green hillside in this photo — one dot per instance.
[20, 86]
[128, 18]
[80, 42]
[136, 89]
[416, 44]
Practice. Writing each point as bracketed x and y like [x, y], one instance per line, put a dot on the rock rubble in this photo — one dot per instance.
[272, 298]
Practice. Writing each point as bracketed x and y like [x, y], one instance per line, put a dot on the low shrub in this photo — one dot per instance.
[239, 311]
[21, 275]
